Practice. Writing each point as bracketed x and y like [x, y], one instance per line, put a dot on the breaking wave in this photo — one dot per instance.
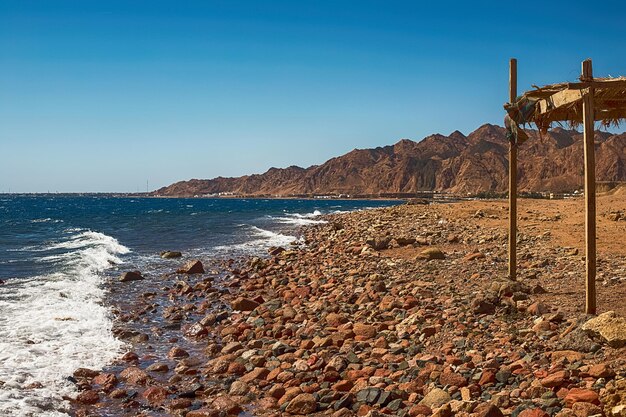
[52, 324]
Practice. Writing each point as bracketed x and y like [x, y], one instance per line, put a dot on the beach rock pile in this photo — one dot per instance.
[398, 311]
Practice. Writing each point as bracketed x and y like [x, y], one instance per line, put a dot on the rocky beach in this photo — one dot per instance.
[403, 310]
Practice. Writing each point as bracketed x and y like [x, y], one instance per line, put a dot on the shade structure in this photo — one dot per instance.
[585, 102]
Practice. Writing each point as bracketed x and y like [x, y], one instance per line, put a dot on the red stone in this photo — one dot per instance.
[576, 395]
[155, 395]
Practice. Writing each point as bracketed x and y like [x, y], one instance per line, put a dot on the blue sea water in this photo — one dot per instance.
[57, 254]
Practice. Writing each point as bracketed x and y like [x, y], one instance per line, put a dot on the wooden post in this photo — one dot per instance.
[590, 191]
[512, 179]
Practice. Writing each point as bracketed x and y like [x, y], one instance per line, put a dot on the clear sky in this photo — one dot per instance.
[104, 95]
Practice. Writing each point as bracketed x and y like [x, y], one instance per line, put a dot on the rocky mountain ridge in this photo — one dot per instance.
[456, 163]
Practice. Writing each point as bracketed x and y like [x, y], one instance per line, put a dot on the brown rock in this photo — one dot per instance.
[134, 375]
[335, 320]
[473, 256]
[256, 373]
[131, 276]
[105, 380]
[533, 412]
[608, 327]
[431, 253]
[155, 395]
[88, 397]
[365, 331]
[226, 404]
[538, 308]
[585, 409]
[192, 267]
[85, 373]
[203, 412]
[420, 409]
[243, 304]
[436, 398]
[302, 404]
[177, 352]
[601, 370]
[158, 367]
[576, 395]
[170, 254]
[488, 377]
[556, 379]
[452, 378]
[569, 355]
[487, 410]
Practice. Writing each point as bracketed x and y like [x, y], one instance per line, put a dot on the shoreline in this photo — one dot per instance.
[353, 324]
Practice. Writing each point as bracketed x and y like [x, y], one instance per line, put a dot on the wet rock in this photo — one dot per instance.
[170, 254]
[158, 367]
[105, 380]
[85, 373]
[226, 404]
[134, 375]
[177, 352]
[155, 395]
[608, 327]
[131, 276]
[88, 397]
[192, 267]
[275, 251]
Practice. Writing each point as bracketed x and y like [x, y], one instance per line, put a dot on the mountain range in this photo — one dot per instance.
[459, 164]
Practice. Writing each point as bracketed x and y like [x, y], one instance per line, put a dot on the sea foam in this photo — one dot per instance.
[52, 324]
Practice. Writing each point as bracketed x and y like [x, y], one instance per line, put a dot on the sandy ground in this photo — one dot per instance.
[561, 223]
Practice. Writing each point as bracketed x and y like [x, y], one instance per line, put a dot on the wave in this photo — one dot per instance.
[52, 324]
[260, 240]
[301, 219]
[46, 220]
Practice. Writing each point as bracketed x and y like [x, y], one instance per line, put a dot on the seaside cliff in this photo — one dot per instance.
[398, 311]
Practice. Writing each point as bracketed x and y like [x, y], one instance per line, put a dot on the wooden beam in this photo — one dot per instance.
[512, 179]
[562, 98]
[590, 191]
[618, 84]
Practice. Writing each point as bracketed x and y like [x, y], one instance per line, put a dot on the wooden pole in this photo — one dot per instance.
[512, 179]
[590, 191]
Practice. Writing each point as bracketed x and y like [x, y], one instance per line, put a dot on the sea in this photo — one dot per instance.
[59, 255]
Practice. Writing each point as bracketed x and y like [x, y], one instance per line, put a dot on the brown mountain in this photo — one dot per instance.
[455, 163]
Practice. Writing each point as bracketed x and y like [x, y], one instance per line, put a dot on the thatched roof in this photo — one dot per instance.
[563, 102]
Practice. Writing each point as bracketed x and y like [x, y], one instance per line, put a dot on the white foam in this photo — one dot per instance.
[301, 219]
[46, 220]
[52, 324]
[262, 240]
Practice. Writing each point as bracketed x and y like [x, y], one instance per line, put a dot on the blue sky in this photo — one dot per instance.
[104, 95]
